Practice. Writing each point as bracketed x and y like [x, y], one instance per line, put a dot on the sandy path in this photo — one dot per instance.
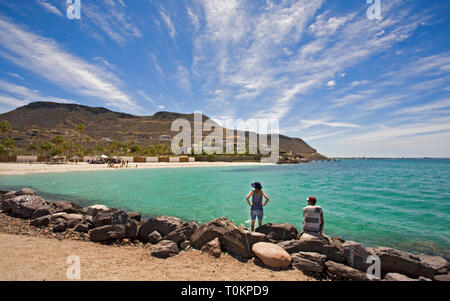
[22, 168]
[35, 258]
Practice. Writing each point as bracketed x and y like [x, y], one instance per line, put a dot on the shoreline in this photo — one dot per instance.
[24, 213]
[11, 169]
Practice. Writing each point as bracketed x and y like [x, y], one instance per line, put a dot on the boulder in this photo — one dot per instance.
[339, 271]
[26, 191]
[82, 227]
[72, 219]
[42, 221]
[131, 229]
[395, 261]
[437, 263]
[397, 277]
[24, 205]
[163, 224]
[181, 234]
[154, 237]
[107, 233]
[278, 231]
[240, 242]
[42, 211]
[272, 255]
[309, 261]
[60, 226]
[310, 243]
[165, 249]
[135, 216]
[110, 217]
[445, 277]
[211, 230]
[356, 255]
[92, 210]
[213, 248]
[68, 207]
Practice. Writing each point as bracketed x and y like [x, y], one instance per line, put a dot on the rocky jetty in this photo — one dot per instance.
[272, 245]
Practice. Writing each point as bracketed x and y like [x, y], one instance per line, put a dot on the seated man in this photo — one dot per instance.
[313, 221]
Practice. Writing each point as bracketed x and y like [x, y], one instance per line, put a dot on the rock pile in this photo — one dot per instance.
[275, 245]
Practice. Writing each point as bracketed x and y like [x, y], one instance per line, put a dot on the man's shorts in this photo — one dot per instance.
[256, 213]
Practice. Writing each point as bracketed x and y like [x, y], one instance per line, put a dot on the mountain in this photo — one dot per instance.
[41, 121]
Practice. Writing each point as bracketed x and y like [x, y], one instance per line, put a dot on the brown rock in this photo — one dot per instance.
[211, 230]
[278, 231]
[165, 249]
[106, 233]
[339, 271]
[163, 224]
[213, 248]
[272, 255]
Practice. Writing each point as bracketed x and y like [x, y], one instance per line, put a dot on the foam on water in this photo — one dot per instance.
[398, 203]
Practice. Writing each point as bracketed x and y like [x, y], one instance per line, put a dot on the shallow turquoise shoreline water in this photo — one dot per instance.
[399, 203]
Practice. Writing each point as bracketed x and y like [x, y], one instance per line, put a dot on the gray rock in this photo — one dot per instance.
[278, 231]
[154, 237]
[165, 249]
[107, 233]
[68, 207]
[163, 224]
[397, 277]
[339, 271]
[356, 255]
[437, 263]
[24, 205]
[213, 248]
[395, 261]
[42, 221]
[181, 234]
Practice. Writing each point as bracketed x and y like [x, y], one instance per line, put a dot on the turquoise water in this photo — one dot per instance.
[399, 203]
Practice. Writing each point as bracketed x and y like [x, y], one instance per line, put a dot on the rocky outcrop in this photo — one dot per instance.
[107, 233]
[211, 230]
[213, 248]
[82, 227]
[60, 225]
[338, 271]
[395, 261]
[165, 249]
[278, 231]
[272, 255]
[42, 211]
[110, 217]
[134, 215]
[131, 229]
[26, 191]
[163, 224]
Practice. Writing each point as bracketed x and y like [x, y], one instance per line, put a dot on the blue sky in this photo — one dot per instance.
[348, 85]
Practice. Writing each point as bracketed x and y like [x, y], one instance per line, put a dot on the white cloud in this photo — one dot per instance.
[331, 83]
[47, 59]
[169, 24]
[50, 8]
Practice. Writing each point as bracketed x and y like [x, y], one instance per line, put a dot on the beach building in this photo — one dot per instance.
[26, 159]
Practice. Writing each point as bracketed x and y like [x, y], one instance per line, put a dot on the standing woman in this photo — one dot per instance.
[257, 204]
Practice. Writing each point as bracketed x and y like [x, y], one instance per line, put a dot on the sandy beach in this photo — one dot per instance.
[7, 169]
[37, 259]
